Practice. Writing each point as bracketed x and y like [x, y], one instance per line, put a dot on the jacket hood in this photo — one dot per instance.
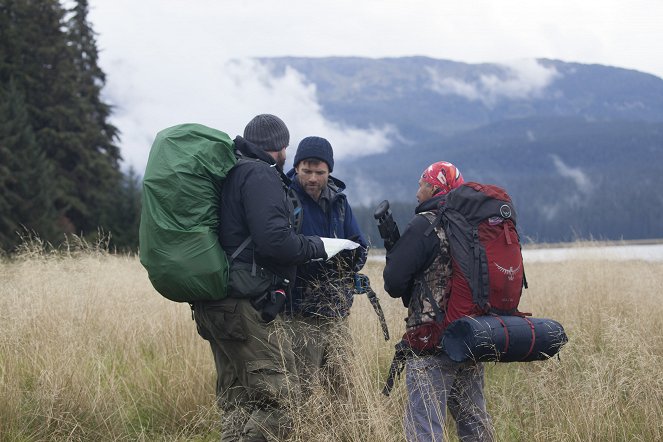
[250, 150]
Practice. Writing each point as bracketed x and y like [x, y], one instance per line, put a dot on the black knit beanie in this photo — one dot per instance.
[268, 132]
[315, 147]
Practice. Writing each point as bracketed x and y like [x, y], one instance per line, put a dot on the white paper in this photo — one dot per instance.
[335, 245]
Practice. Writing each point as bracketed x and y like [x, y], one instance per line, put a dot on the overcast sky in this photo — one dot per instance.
[176, 61]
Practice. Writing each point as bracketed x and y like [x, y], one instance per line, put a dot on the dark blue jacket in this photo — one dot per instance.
[326, 288]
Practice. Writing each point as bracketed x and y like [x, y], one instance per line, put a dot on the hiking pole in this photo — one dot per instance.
[363, 285]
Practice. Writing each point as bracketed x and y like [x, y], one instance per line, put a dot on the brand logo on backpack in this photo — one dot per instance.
[510, 272]
[505, 211]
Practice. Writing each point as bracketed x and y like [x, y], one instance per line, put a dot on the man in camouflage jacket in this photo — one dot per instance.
[418, 270]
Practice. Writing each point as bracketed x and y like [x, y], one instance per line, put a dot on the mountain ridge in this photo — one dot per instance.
[579, 147]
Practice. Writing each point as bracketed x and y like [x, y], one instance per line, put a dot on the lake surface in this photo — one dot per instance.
[648, 252]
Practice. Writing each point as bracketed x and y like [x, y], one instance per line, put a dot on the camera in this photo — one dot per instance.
[386, 225]
[271, 303]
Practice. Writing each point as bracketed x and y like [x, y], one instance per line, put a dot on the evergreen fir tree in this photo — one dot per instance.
[101, 169]
[26, 176]
[128, 207]
[7, 221]
[54, 63]
[38, 58]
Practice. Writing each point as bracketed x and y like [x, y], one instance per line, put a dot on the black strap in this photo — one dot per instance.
[373, 298]
[297, 210]
[239, 250]
[402, 353]
[439, 316]
[477, 282]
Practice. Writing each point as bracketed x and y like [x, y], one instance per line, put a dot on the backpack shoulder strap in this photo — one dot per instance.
[434, 218]
[439, 316]
[297, 216]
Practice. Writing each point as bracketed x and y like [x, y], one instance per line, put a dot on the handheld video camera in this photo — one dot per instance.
[386, 225]
[271, 303]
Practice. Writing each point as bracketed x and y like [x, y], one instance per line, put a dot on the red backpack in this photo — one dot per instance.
[487, 278]
[488, 275]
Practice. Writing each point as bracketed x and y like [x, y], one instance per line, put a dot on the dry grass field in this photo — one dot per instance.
[89, 351]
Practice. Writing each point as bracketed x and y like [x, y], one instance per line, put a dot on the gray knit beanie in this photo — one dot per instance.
[268, 132]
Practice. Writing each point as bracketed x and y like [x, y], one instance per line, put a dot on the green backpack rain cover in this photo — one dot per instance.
[178, 236]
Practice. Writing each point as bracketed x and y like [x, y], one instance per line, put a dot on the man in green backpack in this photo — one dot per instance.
[256, 376]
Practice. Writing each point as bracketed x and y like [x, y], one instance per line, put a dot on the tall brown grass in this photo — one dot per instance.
[89, 351]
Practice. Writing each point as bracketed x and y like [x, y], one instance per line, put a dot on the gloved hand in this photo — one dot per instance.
[334, 246]
[316, 250]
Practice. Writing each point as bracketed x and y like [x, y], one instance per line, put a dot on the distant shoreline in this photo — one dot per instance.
[592, 243]
[567, 245]
[647, 250]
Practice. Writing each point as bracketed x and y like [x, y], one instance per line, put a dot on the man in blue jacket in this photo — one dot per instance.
[323, 294]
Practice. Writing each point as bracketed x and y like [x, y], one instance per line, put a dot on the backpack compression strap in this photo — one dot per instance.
[240, 249]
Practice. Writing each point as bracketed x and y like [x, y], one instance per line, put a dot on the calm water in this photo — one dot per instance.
[652, 252]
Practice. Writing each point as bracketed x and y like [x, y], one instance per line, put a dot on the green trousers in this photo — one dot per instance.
[321, 346]
[257, 382]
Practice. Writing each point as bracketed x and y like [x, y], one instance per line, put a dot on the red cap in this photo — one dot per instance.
[445, 176]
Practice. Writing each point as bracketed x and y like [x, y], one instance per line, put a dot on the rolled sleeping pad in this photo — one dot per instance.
[503, 339]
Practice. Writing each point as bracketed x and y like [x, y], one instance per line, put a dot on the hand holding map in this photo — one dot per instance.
[335, 245]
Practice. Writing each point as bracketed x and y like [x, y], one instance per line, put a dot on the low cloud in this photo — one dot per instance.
[574, 174]
[522, 79]
[574, 197]
[296, 100]
[225, 95]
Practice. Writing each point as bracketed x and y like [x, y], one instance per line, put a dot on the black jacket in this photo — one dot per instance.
[254, 203]
[413, 253]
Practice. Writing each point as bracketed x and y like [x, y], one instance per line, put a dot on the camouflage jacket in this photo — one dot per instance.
[431, 282]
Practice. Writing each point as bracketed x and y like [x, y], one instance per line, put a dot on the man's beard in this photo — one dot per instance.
[313, 190]
[280, 158]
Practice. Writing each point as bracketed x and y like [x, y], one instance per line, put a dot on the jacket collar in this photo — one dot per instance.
[432, 204]
[250, 150]
[247, 149]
